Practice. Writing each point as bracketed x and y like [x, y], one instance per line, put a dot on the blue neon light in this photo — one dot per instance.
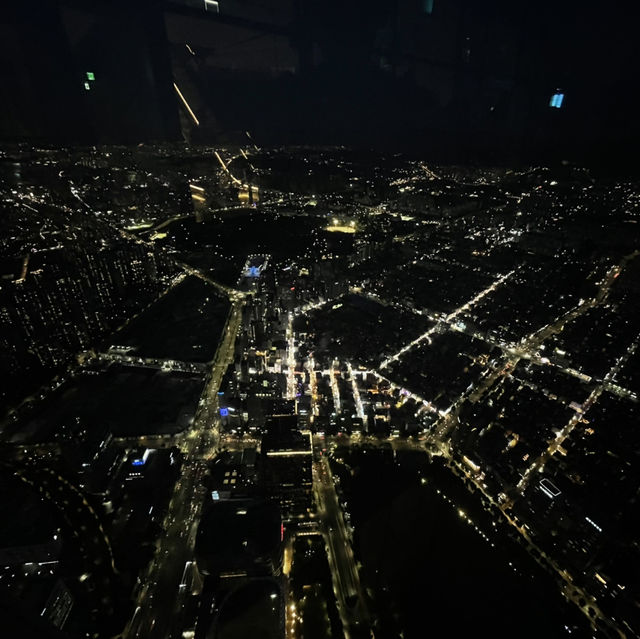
[254, 271]
[224, 412]
[556, 100]
[141, 461]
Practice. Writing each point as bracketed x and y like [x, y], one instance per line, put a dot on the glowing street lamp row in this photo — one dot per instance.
[447, 319]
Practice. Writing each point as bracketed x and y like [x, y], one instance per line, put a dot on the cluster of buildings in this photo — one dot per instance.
[65, 282]
[486, 315]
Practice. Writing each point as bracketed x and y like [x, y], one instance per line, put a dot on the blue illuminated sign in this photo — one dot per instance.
[254, 271]
[141, 461]
[224, 412]
[556, 100]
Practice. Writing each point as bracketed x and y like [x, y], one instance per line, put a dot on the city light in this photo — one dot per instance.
[461, 344]
[556, 100]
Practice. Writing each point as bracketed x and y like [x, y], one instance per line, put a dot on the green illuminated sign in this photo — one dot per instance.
[90, 75]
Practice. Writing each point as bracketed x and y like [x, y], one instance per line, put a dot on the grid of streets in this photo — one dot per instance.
[447, 312]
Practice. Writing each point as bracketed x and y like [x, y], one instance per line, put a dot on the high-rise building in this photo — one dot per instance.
[287, 467]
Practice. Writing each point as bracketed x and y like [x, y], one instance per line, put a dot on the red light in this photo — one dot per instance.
[281, 532]
[293, 288]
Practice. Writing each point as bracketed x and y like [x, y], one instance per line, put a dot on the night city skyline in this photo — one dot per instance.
[319, 320]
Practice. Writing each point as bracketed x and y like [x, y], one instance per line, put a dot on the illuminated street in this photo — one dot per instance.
[319, 323]
[160, 609]
[342, 561]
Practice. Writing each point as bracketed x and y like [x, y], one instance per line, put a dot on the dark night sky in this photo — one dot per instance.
[469, 80]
